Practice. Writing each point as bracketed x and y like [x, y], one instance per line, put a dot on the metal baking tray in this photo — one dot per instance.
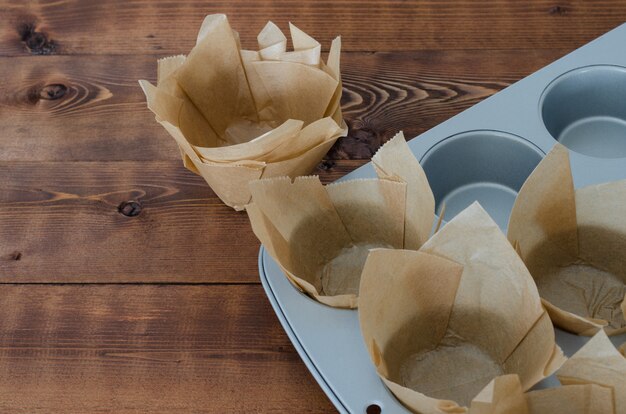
[485, 153]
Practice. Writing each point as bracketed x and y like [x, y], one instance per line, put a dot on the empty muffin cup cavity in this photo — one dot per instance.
[485, 166]
[585, 110]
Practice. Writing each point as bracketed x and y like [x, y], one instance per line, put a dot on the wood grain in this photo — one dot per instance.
[101, 100]
[134, 27]
[69, 214]
[138, 349]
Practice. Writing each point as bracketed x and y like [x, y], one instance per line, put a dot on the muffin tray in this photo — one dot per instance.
[485, 154]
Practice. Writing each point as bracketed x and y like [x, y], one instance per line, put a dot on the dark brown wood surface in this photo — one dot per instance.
[127, 285]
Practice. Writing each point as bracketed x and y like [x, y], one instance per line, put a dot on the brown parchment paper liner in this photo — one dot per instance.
[441, 322]
[598, 362]
[239, 115]
[320, 236]
[573, 243]
[504, 395]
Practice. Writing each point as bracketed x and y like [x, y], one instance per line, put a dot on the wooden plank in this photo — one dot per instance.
[67, 213]
[135, 27]
[99, 98]
[60, 222]
[158, 349]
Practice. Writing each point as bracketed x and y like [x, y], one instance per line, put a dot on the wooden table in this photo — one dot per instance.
[127, 285]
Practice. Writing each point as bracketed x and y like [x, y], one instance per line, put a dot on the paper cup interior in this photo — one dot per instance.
[591, 284]
[321, 235]
[573, 243]
[332, 267]
[431, 369]
[585, 110]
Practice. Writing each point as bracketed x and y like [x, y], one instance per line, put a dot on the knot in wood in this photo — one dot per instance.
[36, 42]
[130, 208]
[558, 10]
[53, 91]
[326, 165]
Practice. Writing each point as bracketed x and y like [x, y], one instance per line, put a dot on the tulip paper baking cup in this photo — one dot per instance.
[440, 323]
[598, 362]
[504, 395]
[321, 235]
[573, 243]
[239, 115]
